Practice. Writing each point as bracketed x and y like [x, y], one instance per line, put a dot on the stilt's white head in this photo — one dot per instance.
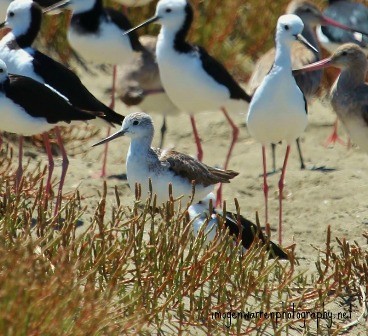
[19, 16]
[173, 13]
[199, 214]
[289, 26]
[202, 208]
[289, 29]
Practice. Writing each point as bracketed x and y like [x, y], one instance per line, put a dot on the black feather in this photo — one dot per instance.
[41, 102]
[68, 84]
[89, 22]
[249, 232]
[124, 24]
[213, 68]
[27, 39]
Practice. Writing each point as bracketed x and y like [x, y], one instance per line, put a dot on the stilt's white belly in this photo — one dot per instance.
[18, 61]
[186, 83]
[14, 119]
[277, 112]
[109, 46]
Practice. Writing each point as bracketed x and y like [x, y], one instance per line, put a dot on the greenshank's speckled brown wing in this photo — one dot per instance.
[185, 166]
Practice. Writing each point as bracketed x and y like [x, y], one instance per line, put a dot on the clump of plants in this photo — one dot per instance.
[134, 269]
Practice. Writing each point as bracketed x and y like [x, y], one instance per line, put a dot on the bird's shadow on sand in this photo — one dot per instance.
[321, 169]
[59, 225]
[120, 177]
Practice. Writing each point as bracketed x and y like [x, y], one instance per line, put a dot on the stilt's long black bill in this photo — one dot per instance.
[111, 137]
[303, 40]
[145, 23]
[59, 4]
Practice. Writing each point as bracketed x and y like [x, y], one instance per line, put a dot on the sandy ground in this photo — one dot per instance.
[314, 199]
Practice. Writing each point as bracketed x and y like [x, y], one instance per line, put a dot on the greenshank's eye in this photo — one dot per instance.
[135, 122]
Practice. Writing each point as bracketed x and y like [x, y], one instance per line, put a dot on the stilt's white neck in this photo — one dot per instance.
[167, 36]
[283, 57]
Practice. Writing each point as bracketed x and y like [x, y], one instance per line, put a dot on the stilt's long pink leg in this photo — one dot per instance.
[113, 87]
[112, 106]
[265, 185]
[50, 158]
[65, 165]
[281, 189]
[104, 160]
[19, 172]
[197, 139]
[219, 196]
[234, 139]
